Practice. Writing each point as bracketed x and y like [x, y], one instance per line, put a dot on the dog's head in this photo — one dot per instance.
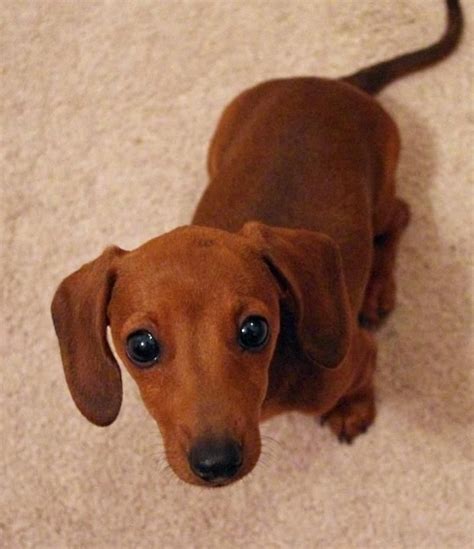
[195, 318]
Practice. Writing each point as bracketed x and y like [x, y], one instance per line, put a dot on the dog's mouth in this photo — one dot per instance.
[219, 482]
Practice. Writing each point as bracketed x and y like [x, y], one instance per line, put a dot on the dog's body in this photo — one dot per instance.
[293, 240]
[308, 154]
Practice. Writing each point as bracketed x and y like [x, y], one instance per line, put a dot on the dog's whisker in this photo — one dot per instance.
[268, 440]
[264, 463]
[169, 476]
[268, 459]
[272, 449]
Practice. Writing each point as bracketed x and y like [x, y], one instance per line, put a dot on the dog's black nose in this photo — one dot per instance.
[215, 459]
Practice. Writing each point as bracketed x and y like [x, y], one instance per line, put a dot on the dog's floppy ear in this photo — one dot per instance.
[79, 311]
[308, 268]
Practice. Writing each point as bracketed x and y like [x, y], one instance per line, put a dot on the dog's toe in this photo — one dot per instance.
[351, 417]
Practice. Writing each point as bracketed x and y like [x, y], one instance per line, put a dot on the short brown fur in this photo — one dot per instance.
[299, 224]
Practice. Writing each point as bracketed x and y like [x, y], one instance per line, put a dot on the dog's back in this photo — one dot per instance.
[303, 153]
[316, 154]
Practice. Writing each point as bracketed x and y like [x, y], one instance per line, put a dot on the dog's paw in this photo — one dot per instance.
[351, 417]
[379, 302]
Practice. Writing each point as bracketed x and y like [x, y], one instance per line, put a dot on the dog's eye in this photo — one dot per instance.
[142, 348]
[253, 333]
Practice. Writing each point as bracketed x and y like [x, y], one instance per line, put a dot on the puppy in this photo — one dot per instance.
[261, 305]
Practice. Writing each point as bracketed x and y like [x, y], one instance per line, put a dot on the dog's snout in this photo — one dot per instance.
[215, 459]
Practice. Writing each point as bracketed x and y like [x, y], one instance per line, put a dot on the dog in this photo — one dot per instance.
[265, 303]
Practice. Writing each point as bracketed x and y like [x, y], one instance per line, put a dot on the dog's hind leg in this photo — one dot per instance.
[380, 293]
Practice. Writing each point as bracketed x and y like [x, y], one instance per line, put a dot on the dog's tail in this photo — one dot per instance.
[372, 79]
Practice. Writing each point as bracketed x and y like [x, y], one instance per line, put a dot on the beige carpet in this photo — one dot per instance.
[107, 108]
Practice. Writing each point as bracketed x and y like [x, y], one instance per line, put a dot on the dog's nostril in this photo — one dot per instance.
[215, 459]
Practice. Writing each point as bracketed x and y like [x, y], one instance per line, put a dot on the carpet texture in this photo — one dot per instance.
[107, 109]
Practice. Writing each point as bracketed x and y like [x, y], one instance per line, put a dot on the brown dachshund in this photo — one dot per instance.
[262, 304]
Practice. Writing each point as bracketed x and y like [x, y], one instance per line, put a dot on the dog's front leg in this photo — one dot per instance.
[355, 410]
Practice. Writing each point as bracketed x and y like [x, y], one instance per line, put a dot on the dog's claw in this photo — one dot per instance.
[344, 438]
